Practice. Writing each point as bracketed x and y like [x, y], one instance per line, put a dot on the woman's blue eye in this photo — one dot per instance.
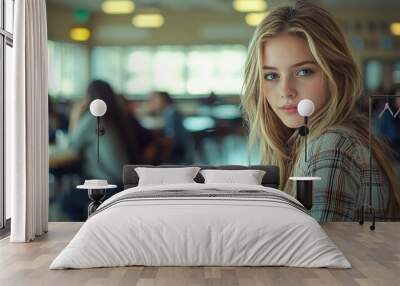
[305, 72]
[270, 76]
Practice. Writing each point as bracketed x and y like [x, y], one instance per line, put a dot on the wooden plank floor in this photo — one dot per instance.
[375, 257]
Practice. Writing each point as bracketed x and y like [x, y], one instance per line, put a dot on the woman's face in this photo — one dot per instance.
[290, 75]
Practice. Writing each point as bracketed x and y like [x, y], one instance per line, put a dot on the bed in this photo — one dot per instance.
[201, 224]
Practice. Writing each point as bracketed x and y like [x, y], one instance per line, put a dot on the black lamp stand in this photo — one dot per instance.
[100, 131]
[96, 197]
[303, 131]
[304, 190]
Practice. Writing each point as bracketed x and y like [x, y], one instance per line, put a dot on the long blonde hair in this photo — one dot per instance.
[330, 49]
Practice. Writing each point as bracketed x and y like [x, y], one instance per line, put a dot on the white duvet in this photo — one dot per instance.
[200, 231]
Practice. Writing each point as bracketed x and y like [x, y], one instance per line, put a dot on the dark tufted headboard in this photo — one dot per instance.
[270, 179]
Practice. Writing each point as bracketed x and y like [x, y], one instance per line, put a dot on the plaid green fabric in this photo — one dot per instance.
[343, 165]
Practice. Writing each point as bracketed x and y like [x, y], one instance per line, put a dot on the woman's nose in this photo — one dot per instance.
[287, 87]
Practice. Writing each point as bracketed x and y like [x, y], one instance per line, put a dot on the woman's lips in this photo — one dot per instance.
[289, 110]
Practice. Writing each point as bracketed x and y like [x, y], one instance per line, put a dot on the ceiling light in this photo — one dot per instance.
[253, 19]
[118, 7]
[249, 5]
[148, 20]
[395, 28]
[80, 34]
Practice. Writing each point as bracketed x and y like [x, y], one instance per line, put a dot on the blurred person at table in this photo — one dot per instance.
[58, 122]
[177, 141]
[124, 141]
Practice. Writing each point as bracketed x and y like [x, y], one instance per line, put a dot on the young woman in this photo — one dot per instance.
[298, 52]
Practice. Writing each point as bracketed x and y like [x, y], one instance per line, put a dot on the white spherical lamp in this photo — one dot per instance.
[98, 107]
[305, 107]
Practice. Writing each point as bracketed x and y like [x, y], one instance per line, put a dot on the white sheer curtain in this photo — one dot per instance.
[27, 124]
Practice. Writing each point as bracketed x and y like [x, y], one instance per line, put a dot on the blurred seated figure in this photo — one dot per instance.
[58, 122]
[62, 165]
[178, 142]
[125, 142]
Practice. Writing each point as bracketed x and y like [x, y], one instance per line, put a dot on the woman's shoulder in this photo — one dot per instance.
[85, 124]
[340, 138]
[341, 142]
[87, 119]
[333, 152]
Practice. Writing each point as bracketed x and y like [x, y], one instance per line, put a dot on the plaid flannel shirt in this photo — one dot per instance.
[343, 165]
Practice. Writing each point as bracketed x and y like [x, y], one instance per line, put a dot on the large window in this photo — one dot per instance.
[182, 71]
[215, 69]
[373, 75]
[396, 72]
[6, 43]
[106, 65]
[68, 69]
[381, 76]
[136, 71]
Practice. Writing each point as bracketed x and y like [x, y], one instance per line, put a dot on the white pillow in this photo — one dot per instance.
[164, 176]
[248, 177]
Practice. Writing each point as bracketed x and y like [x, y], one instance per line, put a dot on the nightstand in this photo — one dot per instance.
[96, 195]
[304, 190]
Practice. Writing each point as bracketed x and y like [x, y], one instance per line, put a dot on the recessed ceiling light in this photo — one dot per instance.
[249, 5]
[395, 28]
[118, 7]
[253, 19]
[79, 34]
[148, 20]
